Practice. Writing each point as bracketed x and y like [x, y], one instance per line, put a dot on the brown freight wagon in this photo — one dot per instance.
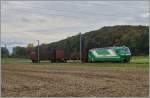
[48, 54]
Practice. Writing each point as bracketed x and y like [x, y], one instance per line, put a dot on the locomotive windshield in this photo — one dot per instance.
[127, 50]
[123, 50]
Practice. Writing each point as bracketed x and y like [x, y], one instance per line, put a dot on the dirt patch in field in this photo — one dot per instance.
[30, 81]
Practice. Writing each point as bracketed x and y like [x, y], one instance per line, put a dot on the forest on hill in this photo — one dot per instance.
[135, 37]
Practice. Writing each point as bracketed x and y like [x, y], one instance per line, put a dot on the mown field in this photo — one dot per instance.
[22, 78]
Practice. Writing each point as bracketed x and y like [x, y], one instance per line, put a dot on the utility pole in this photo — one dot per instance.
[5, 45]
[80, 47]
[38, 51]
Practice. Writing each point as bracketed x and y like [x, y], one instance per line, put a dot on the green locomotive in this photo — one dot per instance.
[109, 54]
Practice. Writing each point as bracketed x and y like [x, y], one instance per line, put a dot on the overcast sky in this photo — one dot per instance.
[24, 22]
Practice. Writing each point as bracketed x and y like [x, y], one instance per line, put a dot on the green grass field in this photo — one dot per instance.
[136, 62]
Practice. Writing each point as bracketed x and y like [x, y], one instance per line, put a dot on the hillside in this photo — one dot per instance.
[135, 37]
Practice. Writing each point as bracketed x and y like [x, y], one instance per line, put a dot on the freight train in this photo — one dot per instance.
[108, 54]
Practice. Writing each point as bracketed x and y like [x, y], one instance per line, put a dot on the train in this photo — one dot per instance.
[107, 54]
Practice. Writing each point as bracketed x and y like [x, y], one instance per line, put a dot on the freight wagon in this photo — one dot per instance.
[109, 54]
[51, 54]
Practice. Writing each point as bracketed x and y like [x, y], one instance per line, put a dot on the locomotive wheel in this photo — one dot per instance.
[126, 60]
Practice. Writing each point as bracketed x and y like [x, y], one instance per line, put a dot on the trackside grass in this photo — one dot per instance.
[136, 62]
